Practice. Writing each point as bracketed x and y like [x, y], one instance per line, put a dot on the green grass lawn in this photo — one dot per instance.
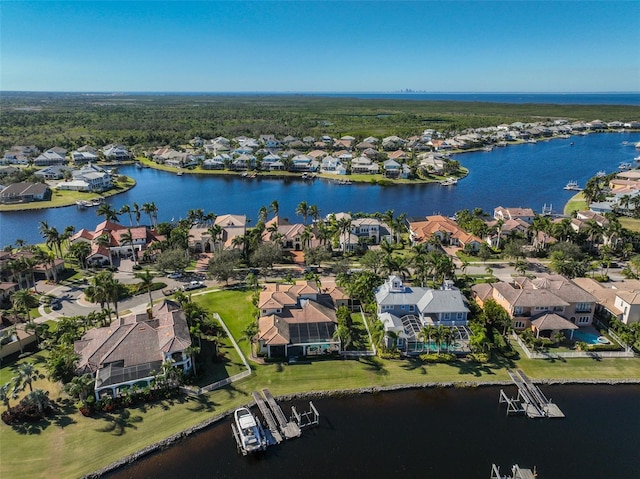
[51, 448]
[632, 224]
[576, 203]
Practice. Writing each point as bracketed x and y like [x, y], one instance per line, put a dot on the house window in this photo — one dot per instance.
[517, 310]
[584, 319]
[460, 316]
[411, 308]
[583, 307]
[264, 311]
[519, 324]
[542, 308]
[446, 316]
[402, 307]
[386, 307]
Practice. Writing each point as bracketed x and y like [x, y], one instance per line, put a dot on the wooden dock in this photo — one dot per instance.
[517, 472]
[268, 417]
[289, 429]
[530, 399]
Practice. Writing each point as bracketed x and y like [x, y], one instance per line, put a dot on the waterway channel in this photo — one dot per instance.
[428, 433]
[527, 175]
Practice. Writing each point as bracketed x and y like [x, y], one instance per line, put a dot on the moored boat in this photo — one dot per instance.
[250, 435]
[449, 182]
[624, 166]
[572, 185]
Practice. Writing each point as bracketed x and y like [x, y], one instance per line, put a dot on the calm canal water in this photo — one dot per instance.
[528, 175]
[437, 433]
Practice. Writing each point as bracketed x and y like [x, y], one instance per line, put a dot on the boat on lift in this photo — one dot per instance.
[248, 431]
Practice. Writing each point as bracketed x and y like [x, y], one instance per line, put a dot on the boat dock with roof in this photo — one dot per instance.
[530, 399]
[278, 427]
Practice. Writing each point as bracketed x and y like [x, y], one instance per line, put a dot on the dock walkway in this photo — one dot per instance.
[268, 416]
[288, 428]
[530, 400]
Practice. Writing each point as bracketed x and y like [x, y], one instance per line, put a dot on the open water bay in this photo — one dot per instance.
[428, 433]
[527, 175]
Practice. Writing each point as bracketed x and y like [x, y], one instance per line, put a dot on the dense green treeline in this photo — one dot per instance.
[72, 120]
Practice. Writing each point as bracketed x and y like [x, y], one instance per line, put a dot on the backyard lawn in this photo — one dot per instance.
[51, 448]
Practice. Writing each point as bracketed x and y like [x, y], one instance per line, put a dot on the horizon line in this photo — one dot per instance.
[325, 92]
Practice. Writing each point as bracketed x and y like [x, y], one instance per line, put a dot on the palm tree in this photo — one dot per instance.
[39, 398]
[104, 241]
[426, 333]
[52, 237]
[126, 209]
[126, 238]
[216, 233]
[80, 387]
[29, 266]
[343, 229]
[306, 236]
[136, 212]
[146, 282]
[27, 373]
[303, 210]
[151, 210]
[80, 251]
[263, 214]
[23, 301]
[314, 212]
[274, 207]
[107, 211]
[7, 393]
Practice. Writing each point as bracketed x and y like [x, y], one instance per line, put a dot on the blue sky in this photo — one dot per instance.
[301, 46]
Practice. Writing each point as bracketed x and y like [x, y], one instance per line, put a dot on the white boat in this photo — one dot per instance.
[180, 173]
[637, 158]
[250, 435]
[637, 145]
[624, 166]
[449, 182]
[572, 185]
[601, 173]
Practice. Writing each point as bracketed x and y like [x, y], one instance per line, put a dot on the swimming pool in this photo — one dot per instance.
[587, 337]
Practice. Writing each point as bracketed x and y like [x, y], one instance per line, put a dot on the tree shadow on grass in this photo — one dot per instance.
[63, 413]
[470, 368]
[202, 403]
[31, 428]
[117, 424]
[374, 365]
[414, 364]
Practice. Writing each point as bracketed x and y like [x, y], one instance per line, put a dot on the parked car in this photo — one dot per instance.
[193, 285]
[175, 275]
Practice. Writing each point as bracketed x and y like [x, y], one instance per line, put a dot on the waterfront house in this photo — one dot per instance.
[620, 299]
[119, 244]
[525, 214]
[392, 169]
[54, 172]
[332, 166]
[203, 239]
[528, 299]
[301, 163]
[405, 310]
[88, 178]
[130, 351]
[297, 320]
[25, 192]
[114, 152]
[51, 157]
[85, 154]
[445, 230]
[290, 236]
[364, 166]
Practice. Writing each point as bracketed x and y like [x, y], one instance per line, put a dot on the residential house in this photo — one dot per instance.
[228, 228]
[119, 244]
[51, 157]
[525, 214]
[297, 320]
[25, 192]
[85, 154]
[529, 299]
[289, 235]
[54, 172]
[88, 178]
[392, 169]
[620, 298]
[406, 310]
[446, 231]
[364, 166]
[115, 152]
[130, 352]
[391, 143]
[332, 166]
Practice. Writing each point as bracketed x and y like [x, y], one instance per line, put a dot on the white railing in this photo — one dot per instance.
[572, 354]
[226, 381]
[366, 325]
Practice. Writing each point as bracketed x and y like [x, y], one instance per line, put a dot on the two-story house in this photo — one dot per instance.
[405, 310]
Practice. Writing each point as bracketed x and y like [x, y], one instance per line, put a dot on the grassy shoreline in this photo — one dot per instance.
[52, 450]
[61, 199]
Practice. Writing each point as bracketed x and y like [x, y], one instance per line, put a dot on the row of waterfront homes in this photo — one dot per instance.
[300, 319]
